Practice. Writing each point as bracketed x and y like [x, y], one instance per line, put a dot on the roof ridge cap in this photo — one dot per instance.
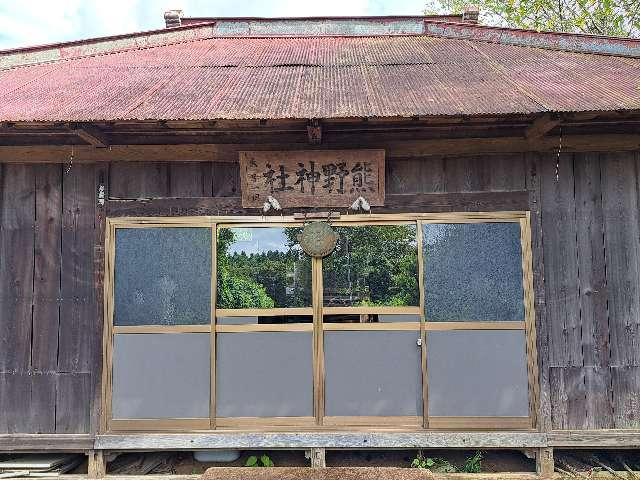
[564, 41]
[48, 53]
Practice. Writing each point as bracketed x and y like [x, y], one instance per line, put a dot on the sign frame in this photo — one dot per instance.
[333, 178]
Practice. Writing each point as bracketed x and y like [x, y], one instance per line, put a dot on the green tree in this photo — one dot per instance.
[265, 279]
[373, 265]
[599, 17]
[234, 290]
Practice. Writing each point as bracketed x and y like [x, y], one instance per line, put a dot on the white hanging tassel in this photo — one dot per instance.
[271, 203]
[274, 203]
[361, 204]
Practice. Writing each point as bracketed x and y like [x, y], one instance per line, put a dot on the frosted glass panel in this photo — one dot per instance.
[161, 375]
[264, 374]
[477, 373]
[473, 271]
[372, 373]
[163, 276]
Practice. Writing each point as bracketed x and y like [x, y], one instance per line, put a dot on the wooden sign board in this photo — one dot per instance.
[312, 178]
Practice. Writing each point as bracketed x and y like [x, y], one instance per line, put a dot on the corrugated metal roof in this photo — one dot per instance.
[318, 77]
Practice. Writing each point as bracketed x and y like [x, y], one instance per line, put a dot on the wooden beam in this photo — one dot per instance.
[394, 203]
[229, 152]
[595, 439]
[91, 135]
[318, 457]
[541, 126]
[45, 442]
[97, 465]
[544, 462]
[314, 132]
[307, 440]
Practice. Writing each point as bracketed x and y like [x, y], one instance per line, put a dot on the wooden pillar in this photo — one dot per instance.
[544, 462]
[318, 458]
[97, 464]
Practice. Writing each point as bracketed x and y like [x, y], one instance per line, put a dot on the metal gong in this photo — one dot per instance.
[318, 239]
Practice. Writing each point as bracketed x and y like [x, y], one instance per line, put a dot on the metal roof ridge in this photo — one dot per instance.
[572, 42]
[39, 54]
[327, 17]
[564, 41]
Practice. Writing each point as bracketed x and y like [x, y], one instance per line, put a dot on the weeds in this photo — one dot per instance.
[436, 465]
[262, 461]
[472, 464]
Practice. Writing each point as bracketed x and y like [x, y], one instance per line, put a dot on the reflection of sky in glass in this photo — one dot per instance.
[258, 240]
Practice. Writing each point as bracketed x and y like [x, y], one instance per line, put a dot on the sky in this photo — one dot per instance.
[36, 22]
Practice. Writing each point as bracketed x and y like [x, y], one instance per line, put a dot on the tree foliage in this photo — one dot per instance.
[236, 290]
[372, 265]
[599, 17]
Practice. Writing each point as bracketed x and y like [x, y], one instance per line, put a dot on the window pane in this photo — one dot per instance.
[473, 271]
[262, 320]
[477, 373]
[262, 267]
[264, 374]
[163, 276]
[372, 373]
[164, 375]
[375, 265]
[371, 318]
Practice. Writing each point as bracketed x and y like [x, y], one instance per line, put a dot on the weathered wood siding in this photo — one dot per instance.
[47, 303]
[586, 238]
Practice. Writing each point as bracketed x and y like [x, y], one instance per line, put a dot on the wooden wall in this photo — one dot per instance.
[586, 237]
[47, 302]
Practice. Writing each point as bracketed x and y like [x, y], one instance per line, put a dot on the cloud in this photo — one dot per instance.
[35, 22]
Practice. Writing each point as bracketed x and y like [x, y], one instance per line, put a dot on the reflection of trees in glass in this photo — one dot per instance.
[372, 265]
[262, 280]
[473, 272]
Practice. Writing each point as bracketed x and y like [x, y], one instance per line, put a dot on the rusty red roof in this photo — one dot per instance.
[450, 72]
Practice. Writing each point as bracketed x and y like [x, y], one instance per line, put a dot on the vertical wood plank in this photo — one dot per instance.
[77, 313]
[139, 180]
[626, 396]
[560, 260]
[14, 402]
[191, 179]
[506, 172]
[40, 412]
[101, 184]
[568, 397]
[402, 175]
[72, 396]
[415, 175]
[542, 326]
[46, 284]
[591, 261]
[226, 179]
[465, 174]
[27, 403]
[432, 174]
[621, 238]
[599, 408]
[16, 268]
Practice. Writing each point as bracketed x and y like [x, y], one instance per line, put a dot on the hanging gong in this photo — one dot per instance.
[318, 239]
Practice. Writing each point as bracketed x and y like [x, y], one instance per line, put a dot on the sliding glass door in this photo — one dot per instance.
[412, 321]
